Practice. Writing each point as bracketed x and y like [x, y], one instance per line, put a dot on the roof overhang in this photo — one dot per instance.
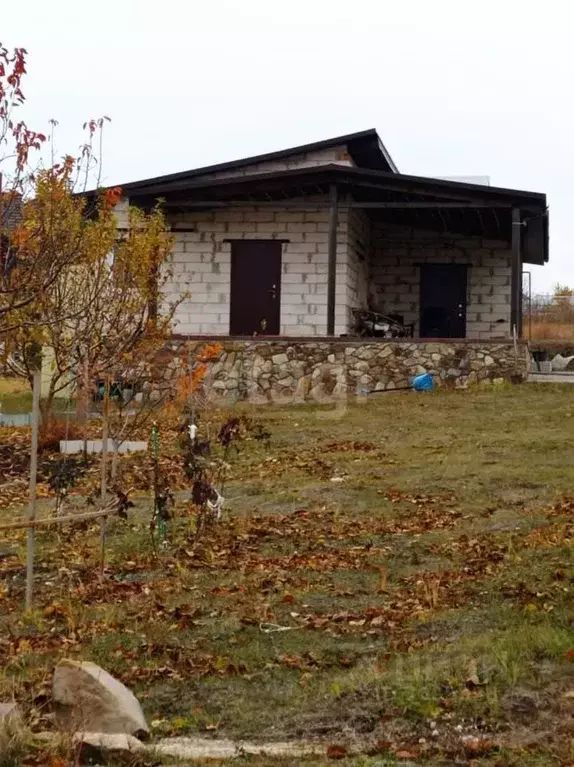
[423, 203]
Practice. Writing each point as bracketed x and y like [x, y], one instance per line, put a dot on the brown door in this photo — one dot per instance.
[443, 301]
[255, 287]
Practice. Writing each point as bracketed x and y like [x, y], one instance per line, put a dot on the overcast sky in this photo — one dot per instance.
[454, 87]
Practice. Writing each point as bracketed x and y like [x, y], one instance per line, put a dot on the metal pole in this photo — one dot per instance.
[332, 260]
[158, 510]
[31, 515]
[529, 275]
[516, 275]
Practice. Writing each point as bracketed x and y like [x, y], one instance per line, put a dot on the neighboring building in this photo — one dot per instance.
[10, 217]
[288, 243]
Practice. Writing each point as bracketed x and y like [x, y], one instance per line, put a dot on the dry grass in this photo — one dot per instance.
[439, 552]
[12, 386]
[550, 331]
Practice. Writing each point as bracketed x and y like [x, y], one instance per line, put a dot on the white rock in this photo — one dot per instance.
[198, 748]
[560, 363]
[107, 742]
[95, 701]
[293, 750]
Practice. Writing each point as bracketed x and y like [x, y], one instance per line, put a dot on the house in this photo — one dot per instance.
[288, 244]
[10, 217]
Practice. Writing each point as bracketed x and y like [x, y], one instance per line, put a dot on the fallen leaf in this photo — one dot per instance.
[336, 752]
[287, 599]
[478, 746]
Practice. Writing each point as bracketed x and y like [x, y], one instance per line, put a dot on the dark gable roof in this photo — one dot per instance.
[374, 178]
[366, 149]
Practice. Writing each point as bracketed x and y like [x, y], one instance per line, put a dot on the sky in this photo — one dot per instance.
[454, 87]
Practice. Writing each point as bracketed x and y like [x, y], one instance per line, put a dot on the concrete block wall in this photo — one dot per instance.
[335, 155]
[358, 261]
[202, 266]
[121, 213]
[396, 253]
[377, 267]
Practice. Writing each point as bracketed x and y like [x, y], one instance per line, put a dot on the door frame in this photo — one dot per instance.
[232, 268]
[447, 265]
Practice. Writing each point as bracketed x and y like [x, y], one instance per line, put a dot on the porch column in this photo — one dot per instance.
[332, 259]
[516, 275]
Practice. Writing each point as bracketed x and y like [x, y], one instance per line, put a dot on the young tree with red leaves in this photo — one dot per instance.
[33, 258]
[71, 282]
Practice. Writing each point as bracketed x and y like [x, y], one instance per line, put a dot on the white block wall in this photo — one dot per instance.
[395, 276]
[202, 265]
[335, 155]
[377, 266]
[358, 261]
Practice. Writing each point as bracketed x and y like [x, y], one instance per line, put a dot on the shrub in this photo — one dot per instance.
[53, 430]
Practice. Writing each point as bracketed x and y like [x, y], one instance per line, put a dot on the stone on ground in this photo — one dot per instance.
[96, 746]
[200, 748]
[91, 700]
[560, 363]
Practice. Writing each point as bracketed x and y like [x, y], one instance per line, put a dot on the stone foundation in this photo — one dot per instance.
[323, 370]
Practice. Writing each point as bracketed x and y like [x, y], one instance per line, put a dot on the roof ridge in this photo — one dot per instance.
[370, 133]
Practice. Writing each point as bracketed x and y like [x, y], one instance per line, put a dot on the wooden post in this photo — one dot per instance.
[31, 515]
[104, 468]
[332, 260]
[516, 275]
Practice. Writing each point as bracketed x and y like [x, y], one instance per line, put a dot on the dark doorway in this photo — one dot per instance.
[443, 301]
[255, 288]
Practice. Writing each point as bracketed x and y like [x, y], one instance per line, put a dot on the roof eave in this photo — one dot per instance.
[347, 174]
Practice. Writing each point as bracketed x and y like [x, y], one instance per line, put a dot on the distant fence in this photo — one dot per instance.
[548, 317]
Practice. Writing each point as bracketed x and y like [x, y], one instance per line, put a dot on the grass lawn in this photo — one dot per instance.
[15, 395]
[395, 579]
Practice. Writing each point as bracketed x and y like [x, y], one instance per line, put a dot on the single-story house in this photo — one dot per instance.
[288, 244]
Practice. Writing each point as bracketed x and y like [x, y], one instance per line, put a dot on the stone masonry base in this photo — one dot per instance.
[289, 370]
